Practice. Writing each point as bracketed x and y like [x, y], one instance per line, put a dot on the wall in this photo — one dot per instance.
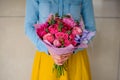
[17, 52]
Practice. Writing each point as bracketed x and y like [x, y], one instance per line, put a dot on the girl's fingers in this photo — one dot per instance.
[65, 55]
[60, 59]
[58, 63]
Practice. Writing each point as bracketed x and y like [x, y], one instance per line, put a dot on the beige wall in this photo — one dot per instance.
[17, 52]
[105, 59]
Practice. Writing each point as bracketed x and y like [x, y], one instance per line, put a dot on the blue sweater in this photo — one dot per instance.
[38, 11]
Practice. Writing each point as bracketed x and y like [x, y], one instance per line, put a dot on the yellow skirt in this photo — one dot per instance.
[77, 67]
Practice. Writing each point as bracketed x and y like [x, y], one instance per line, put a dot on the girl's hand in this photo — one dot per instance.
[60, 59]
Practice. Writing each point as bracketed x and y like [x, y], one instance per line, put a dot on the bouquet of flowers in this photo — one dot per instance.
[62, 35]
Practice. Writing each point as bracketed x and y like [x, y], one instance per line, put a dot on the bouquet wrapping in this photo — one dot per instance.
[62, 35]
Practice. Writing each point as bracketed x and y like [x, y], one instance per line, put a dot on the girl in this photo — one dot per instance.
[78, 63]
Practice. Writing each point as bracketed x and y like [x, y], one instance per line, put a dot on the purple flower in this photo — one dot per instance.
[78, 39]
[86, 37]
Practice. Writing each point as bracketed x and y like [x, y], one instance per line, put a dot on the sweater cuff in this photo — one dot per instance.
[79, 49]
[42, 49]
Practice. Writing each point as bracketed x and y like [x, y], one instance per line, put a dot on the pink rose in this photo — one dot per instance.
[41, 29]
[58, 20]
[36, 26]
[56, 43]
[53, 28]
[65, 36]
[49, 37]
[56, 26]
[41, 33]
[69, 21]
[66, 43]
[59, 35]
[49, 17]
[71, 36]
[73, 42]
[65, 29]
[67, 26]
[76, 31]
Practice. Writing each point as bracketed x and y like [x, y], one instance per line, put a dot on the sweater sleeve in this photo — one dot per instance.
[88, 17]
[87, 14]
[31, 18]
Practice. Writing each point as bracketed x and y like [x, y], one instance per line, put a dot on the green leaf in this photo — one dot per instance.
[49, 22]
[46, 30]
[77, 22]
[57, 15]
[69, 32]
[59, 69]
[52, 20]
[60, 27]
[67, 16]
